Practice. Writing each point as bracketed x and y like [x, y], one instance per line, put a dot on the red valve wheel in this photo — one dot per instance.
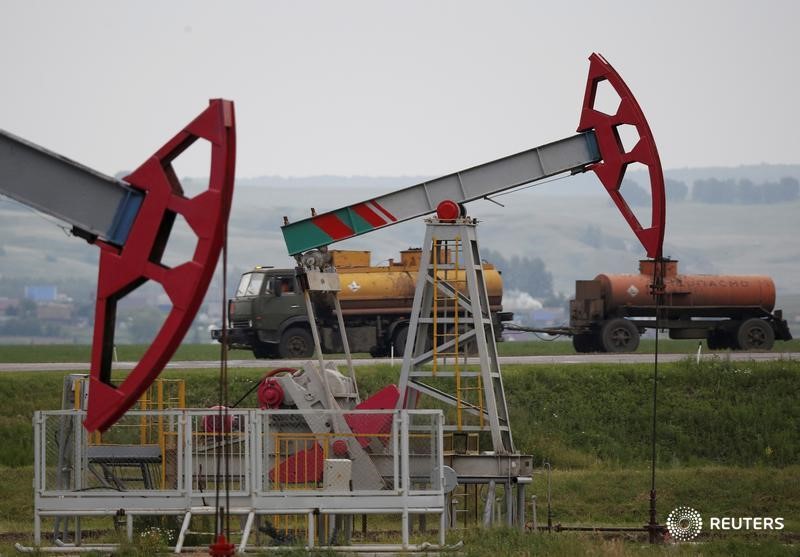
[270, 394]
[340, 448]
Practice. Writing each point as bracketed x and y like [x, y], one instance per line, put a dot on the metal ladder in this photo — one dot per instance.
[449, 282]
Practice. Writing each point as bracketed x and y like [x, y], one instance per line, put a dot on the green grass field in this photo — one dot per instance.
[15, 353]
[728, 446]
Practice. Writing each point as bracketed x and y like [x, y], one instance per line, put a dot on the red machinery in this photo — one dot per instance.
[611, 170]
[130, 221]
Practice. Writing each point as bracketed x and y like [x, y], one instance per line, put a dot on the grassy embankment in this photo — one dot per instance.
[728, 446]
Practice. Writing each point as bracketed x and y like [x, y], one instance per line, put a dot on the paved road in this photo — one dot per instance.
[562, 359]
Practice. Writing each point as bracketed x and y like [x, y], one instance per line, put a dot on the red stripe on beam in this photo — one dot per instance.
[384, 211]
[333, 226]
[363, 211]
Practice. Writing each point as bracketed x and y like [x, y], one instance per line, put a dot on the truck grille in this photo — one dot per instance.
[240, 324]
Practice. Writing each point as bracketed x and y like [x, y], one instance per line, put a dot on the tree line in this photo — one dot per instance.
[526, 274]
[745, 191]
[714, 190]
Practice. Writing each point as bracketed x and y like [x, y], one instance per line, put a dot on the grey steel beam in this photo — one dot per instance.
[571, 154]
[95, 204]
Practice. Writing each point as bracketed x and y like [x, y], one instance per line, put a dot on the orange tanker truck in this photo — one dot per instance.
[268, 316]
[610, 312]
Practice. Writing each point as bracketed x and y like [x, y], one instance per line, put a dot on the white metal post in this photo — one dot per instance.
[188, 445]
[396, 427]
[246, 532]
[406, 463]
[405, 528]
[311, 530]
[509, 504]
[187, 519]
[38, 469]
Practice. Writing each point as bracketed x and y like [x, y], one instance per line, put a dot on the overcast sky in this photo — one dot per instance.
[395, 88]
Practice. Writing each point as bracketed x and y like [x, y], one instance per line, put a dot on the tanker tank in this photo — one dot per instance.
[373, 289]
[687, 290]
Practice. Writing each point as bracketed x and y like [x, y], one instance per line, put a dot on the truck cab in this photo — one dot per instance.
[266, 303]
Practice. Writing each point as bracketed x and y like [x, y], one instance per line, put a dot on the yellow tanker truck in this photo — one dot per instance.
[268, 315]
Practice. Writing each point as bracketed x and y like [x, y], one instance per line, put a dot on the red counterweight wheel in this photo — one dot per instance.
[615, 159]
[123, 269]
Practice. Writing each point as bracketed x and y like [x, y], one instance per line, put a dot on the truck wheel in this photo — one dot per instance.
[399, 340]
[755, 334]
[264, 350]
[584, 343]
[619, 335]
[296, 343]
[378, 352]
[714, 341]
[719, 340]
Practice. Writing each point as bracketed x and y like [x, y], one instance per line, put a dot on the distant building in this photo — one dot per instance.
[54, 312]
[41, 293]
[6, 303]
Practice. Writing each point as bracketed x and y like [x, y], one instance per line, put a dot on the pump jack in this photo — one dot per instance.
[450, 272]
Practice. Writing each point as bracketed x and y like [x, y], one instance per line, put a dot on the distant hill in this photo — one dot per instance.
[581, 184]
[754, 172]
[757, 173]
[570, 224]
[377, 183]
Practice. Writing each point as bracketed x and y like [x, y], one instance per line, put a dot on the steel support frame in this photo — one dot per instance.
[255, 498]
[477, 316]
[505, 466]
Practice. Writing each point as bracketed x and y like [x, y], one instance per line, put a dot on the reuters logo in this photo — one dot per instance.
[684, 524]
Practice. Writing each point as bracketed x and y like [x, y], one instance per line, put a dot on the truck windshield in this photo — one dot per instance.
[250, 285]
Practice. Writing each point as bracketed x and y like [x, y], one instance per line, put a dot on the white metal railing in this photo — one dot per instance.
[271, 461]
